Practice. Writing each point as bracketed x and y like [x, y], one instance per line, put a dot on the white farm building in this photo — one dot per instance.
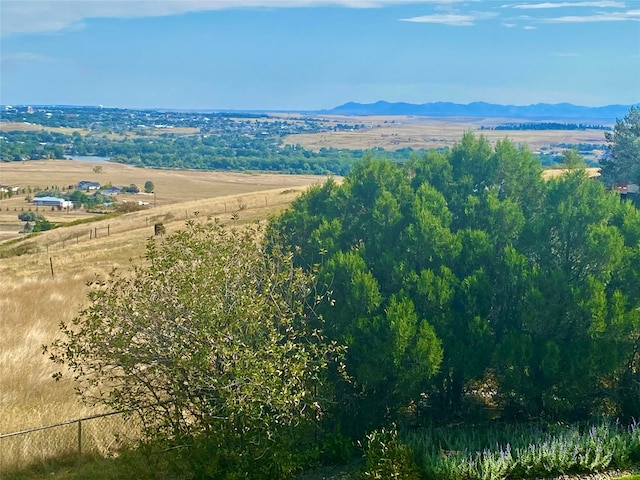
[52, 202]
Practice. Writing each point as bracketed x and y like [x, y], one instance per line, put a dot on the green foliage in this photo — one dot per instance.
[211, 343]
[79, 197]
[388, 458]
[28, 216]
[465, 268]
[42, 224]
[130, 189]
[224, 143]
[523, 451]
[49, 192]
[623, 163]
[148, 186]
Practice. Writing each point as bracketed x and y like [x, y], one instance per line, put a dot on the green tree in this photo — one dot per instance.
[42, 224]
[211, 342]
[148, 186]
[622, 165]
[133, 188]
[28, 216]
[465, 268]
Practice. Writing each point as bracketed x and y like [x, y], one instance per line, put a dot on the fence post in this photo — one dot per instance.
[79, 442]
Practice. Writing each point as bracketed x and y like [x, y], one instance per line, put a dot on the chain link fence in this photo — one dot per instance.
[101, 434]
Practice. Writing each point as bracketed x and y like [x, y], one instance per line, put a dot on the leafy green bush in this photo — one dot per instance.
[388, 458]
[42, 225]
[212, 342]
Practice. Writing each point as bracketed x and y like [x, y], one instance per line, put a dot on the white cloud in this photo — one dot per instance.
[544, 5]
[509, 25]
[30, 16]
[530, 27]
[24, 58]
[629, 16]
[451, 18]
[443, 18]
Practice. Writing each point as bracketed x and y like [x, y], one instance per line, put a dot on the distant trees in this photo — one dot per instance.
[148, 186]
[133, 188]
[546, 126]
[27, 216]
[228, 150]
[623, 162]
[79, 198]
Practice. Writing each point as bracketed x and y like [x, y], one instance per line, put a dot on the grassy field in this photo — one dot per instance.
[32, 127]
[393, 133]
[171, 186]
[33, 301]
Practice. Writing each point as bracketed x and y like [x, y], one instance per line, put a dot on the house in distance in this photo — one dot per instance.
[87, 185]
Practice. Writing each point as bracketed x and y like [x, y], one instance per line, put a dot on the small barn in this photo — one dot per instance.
[52, 202]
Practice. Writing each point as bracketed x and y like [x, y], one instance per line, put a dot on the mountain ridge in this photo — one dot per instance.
[538, 111]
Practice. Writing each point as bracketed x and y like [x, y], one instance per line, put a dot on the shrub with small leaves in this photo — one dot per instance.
[211, 343]
[388, 458]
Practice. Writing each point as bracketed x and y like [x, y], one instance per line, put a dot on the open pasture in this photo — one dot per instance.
[170, 186]
[32, 127]
[48, 285]
[397, 132]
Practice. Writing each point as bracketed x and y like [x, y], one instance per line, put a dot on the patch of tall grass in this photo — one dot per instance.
[523, 451]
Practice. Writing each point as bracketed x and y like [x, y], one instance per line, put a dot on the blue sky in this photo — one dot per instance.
[315, 54]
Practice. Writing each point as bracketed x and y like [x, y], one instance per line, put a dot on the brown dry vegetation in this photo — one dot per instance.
[393, 133]
[171, 186]
[33, 302]
[32, 127]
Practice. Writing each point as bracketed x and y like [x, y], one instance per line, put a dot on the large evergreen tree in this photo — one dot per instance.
[622, 165]
[464, 269]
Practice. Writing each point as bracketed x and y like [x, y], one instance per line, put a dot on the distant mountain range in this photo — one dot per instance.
[540, 111]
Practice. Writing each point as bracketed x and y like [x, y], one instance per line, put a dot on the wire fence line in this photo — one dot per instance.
[102, 434]
[231, 207]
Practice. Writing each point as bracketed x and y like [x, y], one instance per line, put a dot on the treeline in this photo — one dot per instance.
[546, 126]
[232, 151]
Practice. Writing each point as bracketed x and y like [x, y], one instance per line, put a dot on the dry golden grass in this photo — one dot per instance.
[32, 127]
[171, 186]
[394, 133]
[557, 172]
[33, 302]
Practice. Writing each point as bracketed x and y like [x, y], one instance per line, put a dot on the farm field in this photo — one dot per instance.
[396, 132]
[48, 285]
[33, 127]
[171, 186]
